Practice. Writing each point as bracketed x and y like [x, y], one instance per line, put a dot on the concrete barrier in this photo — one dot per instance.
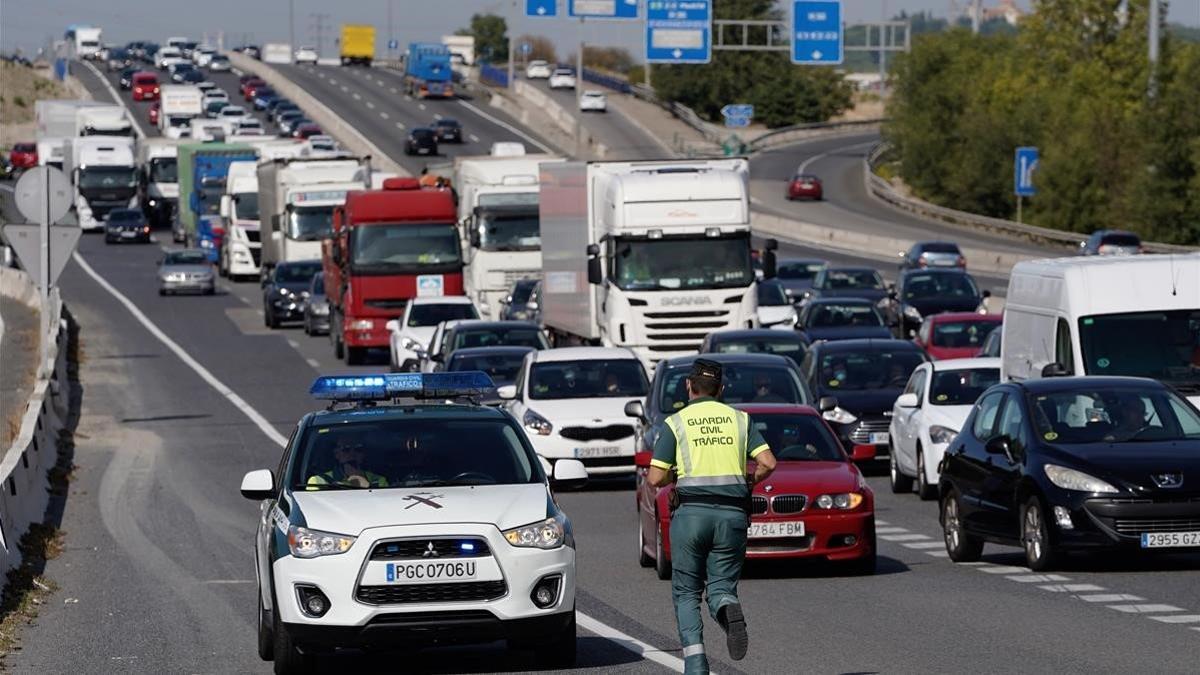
[25, 465]
[564, 119]
[331, 123]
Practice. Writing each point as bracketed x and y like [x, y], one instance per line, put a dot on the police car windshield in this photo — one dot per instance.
[411, 452]
[798, 438]
[744, 383]
[607, 378]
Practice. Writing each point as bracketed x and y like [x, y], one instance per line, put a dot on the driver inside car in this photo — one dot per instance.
[348, 468]
[1129, 418]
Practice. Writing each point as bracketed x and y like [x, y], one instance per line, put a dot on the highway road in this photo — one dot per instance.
[182, 395]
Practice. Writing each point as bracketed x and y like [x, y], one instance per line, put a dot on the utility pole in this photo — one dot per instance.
[1153, 26]
[578, 92]
[883, 30]
[976, 15]
[292, 24]
[317, 29]
[389, 26]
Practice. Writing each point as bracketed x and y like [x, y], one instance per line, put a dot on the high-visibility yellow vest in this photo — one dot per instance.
[710, 444]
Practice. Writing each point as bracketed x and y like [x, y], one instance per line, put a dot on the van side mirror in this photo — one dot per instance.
[1054, 370]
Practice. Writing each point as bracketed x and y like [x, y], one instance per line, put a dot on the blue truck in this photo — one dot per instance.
[203, 170]
[427, 72]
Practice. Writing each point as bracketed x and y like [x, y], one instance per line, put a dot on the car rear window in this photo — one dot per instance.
[145, 79]
[491, 337]
[25, 147]
[961, 334]
[1121, 239]
[743, 383]
[939, 247]
[961, 387]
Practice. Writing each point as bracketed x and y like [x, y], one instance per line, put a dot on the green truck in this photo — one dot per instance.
[203, 168]
[358, 44]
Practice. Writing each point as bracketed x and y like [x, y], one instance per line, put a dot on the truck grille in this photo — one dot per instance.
[862, 433]
[675, 333]
[513, 276]
[387, 303]
[612, 432]
[468, 591]
[256, 255]
[440, 549]
[255, 236]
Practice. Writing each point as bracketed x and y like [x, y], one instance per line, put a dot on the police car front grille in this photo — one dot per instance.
[434, 549]
[788, 503]
[758, 504]
[612, 432]
[468, 591]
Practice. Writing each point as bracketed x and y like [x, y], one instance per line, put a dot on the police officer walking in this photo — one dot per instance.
[703, 448]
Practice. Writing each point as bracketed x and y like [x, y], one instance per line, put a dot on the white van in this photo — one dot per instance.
[1135, 316]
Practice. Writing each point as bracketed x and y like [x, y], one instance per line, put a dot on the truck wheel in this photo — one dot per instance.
[339, 348]
[356, 356]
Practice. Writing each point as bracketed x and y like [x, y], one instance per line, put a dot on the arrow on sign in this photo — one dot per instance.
[816, 55]
[677, 53]
[541, 10]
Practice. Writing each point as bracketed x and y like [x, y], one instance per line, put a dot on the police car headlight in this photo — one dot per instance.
[545, 534]
[306, 543]
[840, 416]
[843, 501]
[535, 422]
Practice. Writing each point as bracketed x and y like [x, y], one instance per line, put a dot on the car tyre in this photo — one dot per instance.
[269, 318]
[662, 566]
[339, 349]
[1040, 553]
[865, 566]
[925, 490]
[643, 558]
[900, 483]
[961, 546]
[289, 660]
[561, 652]
[266, 636]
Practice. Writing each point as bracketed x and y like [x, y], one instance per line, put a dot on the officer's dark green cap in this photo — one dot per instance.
[703, 368]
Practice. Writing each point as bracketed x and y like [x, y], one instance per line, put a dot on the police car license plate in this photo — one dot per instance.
[602, 451]
[880, 438]
[1170, 539]
[422, 572]
[772, 530]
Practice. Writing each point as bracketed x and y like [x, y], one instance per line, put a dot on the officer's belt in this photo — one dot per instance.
[742, 503]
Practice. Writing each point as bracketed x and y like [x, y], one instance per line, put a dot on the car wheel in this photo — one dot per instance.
[924, 490]
[1035, 537]
[289, 660]
[339, 348]
[355, 356]
[961, 546]
[269, 318]
[900, 483]
[865, 566]
[643, 559]
[266, 637]
[662, 566]
[162, 291]
[561, 652]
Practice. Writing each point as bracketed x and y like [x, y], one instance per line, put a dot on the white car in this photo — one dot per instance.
[206, 86]
[594, 101]
[306, 55]
[249, 125]
[202, 56]
[572, 404]
[392, 523]
[775, 308]
[562, 78]
[929, 414]
[167, 56]
[219, 63]
[215, 95]
[413, 332]
[537, 70]
[233, 112]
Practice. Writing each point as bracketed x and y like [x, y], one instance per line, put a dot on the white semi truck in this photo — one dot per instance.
[87, 42]
[159, 179]
[104, 173]
[241, 247]
[296, 199]
[179, 104]
[650, 255]
[498, 213]
[55, 127]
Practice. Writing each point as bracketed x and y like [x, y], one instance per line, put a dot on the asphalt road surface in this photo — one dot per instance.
[157, 575]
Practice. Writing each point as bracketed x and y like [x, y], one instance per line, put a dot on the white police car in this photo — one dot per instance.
[401, 519]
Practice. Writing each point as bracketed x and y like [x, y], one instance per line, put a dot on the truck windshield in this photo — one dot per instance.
[211, 199]
[509, 230]
[109, 177]
[179, 120]
[309, 223]
[682, 263]
[247, 205]
[164, 170]
[401, 247]
[1160, 345]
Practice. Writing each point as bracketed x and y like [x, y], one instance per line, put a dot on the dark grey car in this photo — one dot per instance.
[316, 307]
[516, 305]
[186, 271]
[285, 289]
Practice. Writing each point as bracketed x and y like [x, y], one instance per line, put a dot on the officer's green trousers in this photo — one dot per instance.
[708, 546]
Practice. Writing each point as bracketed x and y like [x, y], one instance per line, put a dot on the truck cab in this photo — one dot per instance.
[204, 173]
[158, 180]
[427, 71]
[103, 121]
[105, 177]
[298, 196]
[241, 247]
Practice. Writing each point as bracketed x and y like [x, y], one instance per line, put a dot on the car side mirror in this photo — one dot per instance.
[827, 403]
[862, 453]
[986, 294]
[393, 326]
[1054, 370]
[641, 459]
[265, 280]
[508, 392]
[569, 474]
[999, 445]
[636, 410]
[258, 485]
[908, 400]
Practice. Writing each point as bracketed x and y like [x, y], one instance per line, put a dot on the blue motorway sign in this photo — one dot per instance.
[603, 9]
[541, 7]
[393, 44]
[817, 32]
[1025, 163]
[526, 47]
[678, 31]
[738, 114]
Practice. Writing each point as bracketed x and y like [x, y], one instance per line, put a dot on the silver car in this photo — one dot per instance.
[186, 271]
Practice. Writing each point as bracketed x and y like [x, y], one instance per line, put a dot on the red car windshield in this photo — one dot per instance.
[798, 438]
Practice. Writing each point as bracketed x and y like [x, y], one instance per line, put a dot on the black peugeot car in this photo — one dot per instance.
[924, 292]
[1073, 464]
[285, 291]
[448, 130]
[865, 377]
[126, 225]
[421, 141]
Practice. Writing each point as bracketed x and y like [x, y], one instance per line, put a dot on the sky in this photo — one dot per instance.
[28, 24]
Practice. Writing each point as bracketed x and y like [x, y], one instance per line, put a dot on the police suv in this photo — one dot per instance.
[407, 515]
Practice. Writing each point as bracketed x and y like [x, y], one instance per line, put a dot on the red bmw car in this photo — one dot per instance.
[804, 186]
[815, 505]
[956, 335]
[145, 87]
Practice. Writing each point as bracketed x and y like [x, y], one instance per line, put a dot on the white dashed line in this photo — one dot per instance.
[1145, 609]
[938, 554]
[314, 363]
[1035, 578]
[902, 537]
[522, 134]
[407, 97]
[383, 114]
[1003, 569]
[370, 105]
[1111, 597]
[421, 106]
[395, 90]
[332, 81]
[345, 88]
[1178, 618]
[474, 138]
[920, 545]
[890, 530]
[399, 125]
[357, 97]
[293, 343]
[1072, 588]
[437, 116]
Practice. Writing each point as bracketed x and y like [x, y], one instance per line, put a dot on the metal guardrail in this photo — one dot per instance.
[791, 134]
[884, 191]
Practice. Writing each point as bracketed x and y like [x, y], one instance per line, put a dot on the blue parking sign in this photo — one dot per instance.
[817, 32]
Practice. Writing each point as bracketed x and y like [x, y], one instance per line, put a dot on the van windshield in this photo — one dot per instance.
[1160, 345]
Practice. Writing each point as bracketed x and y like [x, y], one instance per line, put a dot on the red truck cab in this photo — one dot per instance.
[388, 246]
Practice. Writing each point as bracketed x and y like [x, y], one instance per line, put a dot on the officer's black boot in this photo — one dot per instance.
[733, 621]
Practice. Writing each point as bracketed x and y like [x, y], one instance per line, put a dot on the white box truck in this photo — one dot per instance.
[649, 255]
[241, 247]
[56, 127]
[158, 181]
[277, 52]
[498, 214]
[1130, 315]
[87, 42]
[104, 173]
[296, 198]
[179, 104]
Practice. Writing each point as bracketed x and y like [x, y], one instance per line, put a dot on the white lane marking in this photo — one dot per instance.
[473, 137]
[437, 116]
[228, 581]
[882, 522]
[938, 554]
[293, 343]
[399, 125]
[345, 88]
[237, 401]
[1179, 618]
[810, 160]
[332, 81]
[475, 109]
[1111, 597]
[407, 97]
[1072, 588]
[1035, 578]
[922, 545]
[589, 624]
[889, 530]
[629, 642]
[314, 363]
[383, 114]
[1003, 569]
[357, 96]
[976, 563]
[902, 537]
[137, 123]
[370, 105]
[395, 90]
[421, 106]
[1145, 609]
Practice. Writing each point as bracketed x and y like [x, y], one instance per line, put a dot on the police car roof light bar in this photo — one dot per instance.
[350, 388]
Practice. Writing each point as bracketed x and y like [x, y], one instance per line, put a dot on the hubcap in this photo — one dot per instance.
[1033, 533]
[951, 517]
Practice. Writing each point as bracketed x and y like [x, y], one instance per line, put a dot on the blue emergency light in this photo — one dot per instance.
[401, 385]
